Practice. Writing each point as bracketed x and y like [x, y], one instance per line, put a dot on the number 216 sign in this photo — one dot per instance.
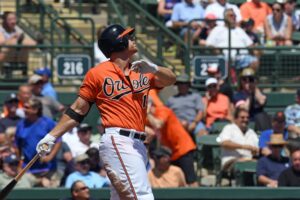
[72, 65]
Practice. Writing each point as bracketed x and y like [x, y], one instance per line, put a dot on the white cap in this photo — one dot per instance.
[210, 81]
[34, 79]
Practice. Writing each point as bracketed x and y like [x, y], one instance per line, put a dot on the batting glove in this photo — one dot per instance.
[143, 67]
[45, 145]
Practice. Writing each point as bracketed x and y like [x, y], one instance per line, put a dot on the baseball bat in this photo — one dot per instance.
[8, 188]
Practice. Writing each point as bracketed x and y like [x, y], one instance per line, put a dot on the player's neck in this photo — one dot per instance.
[121, 63]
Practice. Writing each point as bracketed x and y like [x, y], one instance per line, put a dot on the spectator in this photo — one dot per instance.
[48, 89]
[254, 99]
[96, 164]
[11, 168]
[238, 141]
[218, 8]
[217, 105]
[269, 167]
[209, 24]
[247, 25]
[278, 27]
[11, 34]
[51, 107]
[29, 131]
[182, 14]
[65, 164]
[258, 11]
[188, 106]
[79, 191]
[83, 173]
[278, 127]
[290, 10]
[218, 37]
[24, 94]
[172, 134]
[99, 56]
[292, 116]
[84, 132]
[11, 119]
[165, 9]
[224, 85]
[291, 176]
[164, 174]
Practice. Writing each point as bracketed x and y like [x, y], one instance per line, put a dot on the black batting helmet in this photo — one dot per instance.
[114, 39]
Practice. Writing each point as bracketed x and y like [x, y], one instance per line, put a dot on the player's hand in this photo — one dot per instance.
[143, 67]
[45, 145]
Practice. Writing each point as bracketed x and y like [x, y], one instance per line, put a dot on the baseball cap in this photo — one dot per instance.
[81, 157]
[12, 97]
[12, 158]
[279, 117]
[247, 72]
[210, 81]
[183, 78]
[162, 151]
[84, 127]
[43, 71]
[34, 79]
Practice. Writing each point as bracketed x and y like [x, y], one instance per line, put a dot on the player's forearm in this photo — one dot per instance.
[65, 124]
[164, 77]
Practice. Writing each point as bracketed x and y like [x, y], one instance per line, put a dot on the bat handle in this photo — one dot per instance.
[32, 161]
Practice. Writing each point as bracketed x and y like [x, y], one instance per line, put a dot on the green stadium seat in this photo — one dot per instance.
[243, 168]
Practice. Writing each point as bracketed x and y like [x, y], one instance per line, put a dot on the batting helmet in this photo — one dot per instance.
[114, 39]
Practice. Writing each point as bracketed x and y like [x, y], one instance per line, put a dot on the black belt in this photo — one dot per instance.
[136, 135]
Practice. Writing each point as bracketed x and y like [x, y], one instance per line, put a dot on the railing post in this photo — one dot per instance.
[159, 47]
[42, 18]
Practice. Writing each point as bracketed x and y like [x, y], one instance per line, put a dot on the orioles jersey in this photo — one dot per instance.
[121, 100]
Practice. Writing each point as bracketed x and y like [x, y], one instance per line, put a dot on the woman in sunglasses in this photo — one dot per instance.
[278, 26]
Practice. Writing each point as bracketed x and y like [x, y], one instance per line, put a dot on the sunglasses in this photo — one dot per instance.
[276, 9]
[212, 86]
[248, 79]
[85, 162]
[82, 188]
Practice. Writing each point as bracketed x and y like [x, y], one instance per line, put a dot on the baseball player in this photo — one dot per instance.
[119, 89]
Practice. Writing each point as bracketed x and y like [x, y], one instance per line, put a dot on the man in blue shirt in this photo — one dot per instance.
[83, 173]
[48, 89]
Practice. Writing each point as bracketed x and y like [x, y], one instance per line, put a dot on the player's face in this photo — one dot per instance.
[132, 48]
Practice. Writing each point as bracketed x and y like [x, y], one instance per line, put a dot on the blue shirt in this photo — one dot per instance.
[49, 91]
[184, 12]
[91, 179]
[27, 136]
[265, 137]
[270, 167]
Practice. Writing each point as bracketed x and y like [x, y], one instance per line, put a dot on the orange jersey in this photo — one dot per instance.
[173, 135]
[121, 100]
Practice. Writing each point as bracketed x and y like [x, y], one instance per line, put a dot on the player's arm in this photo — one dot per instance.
[71, 118]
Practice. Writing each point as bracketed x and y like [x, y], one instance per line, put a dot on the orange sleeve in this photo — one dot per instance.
[89, 90]
[244, 11]
[269, 10]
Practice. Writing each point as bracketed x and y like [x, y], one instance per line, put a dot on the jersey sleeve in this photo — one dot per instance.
[88, 89]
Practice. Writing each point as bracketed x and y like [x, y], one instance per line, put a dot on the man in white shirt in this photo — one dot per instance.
[238, 142]
[218, 7]
[219, 37]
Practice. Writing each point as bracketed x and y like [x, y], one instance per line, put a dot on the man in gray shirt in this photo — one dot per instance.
[188, 106]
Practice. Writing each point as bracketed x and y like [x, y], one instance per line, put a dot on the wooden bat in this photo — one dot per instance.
[8, 188]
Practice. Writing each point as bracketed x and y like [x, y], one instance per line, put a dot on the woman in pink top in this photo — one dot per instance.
[217, 105]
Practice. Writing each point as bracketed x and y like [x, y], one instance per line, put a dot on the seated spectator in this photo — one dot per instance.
[218, 8]
[290, 177]
[165, 9]
[258, 11]
[224, 85]
[292, 117]
[217, 106]
[278, 27]
[209, 24]
[84, 132]
[172, 134]
[30, 131]
[96, 165]
[11, 119]
[11, 168]
[182, 14]
[79, 191]
[188, 106]
[269, 167]
[238, 141]
[11, 34]
[247, 25]
[278, 127]
[51, 107]
[219, 38]
[83, 173]
[164, 174]
[290, 10]
[48, 89]
[254, 99]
